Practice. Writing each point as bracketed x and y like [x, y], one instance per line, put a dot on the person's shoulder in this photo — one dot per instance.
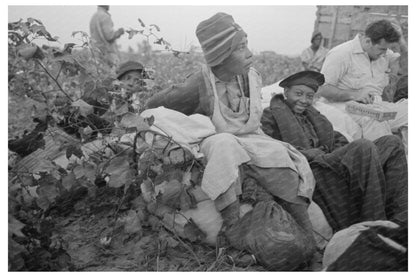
[102, 14]
[95, 16]
[344, 47]
[305, 52]
[340, 53]
[190, 81]
[277, 102]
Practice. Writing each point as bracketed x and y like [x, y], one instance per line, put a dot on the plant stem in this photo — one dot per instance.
[187, 248]
[59, 72]
[53, 78]
[94, 58]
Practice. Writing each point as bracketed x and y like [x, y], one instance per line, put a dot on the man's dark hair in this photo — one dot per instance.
[382, 29]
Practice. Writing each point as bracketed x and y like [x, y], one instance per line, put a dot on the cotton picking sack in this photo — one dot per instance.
[271, 235]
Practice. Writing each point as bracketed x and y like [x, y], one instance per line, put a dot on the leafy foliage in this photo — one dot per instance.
[73, 89]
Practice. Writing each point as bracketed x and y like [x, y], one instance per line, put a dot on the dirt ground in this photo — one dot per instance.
[97, 239]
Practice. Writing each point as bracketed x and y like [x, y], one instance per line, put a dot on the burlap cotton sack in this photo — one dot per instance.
[271, 235]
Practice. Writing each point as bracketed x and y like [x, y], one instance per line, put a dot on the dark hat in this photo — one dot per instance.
[219, 36]
[129, 66]
[311, 79]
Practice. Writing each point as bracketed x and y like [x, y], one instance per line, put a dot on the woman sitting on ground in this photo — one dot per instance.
[227, 90]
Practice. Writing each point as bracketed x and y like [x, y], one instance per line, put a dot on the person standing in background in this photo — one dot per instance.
[313, 57]
[104, 37]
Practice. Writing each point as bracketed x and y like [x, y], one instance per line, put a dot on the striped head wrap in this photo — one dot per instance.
[219, 36]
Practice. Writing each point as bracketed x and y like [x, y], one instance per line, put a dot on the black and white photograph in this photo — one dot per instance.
[208, 137]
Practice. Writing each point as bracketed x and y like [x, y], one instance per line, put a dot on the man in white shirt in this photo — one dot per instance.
[359, 70]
